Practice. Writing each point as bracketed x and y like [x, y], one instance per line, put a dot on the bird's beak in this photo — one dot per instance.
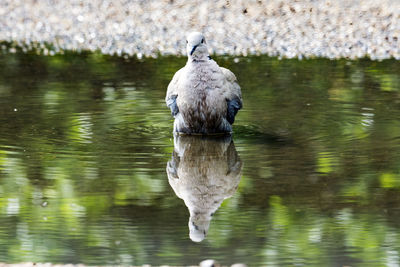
[194, 48]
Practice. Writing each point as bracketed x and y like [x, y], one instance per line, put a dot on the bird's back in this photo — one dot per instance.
[202, 90]
[201, 99]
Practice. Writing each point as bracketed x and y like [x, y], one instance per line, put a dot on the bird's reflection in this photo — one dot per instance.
[203, 171]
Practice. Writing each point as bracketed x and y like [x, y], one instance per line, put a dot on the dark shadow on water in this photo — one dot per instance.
[254, 134]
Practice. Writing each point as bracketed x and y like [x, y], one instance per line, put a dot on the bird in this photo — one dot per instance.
[203, 172]
[203, 97]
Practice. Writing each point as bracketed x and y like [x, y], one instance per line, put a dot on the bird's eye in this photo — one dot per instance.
[202, 40]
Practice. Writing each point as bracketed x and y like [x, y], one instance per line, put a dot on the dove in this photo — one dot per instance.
[203, 97]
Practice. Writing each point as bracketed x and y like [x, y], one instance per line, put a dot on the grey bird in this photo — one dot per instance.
[203, 172]
[204, 98]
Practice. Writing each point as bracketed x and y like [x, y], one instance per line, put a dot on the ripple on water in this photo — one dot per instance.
[83, 164]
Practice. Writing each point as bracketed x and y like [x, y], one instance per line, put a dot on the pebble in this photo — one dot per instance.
[208, 263]
[285, 29]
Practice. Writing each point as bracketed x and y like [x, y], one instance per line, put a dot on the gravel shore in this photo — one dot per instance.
[205, 263]
[31, 264]
[294, 28]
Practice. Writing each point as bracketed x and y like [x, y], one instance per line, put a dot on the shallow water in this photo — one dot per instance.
[311, 177]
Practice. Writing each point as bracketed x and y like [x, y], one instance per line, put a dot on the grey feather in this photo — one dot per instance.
[233, 107]
[171, 103]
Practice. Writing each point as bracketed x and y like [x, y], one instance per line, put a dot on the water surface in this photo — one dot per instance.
[314, 165]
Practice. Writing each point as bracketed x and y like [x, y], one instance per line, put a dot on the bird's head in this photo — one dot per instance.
[196, 46]
[198, 226]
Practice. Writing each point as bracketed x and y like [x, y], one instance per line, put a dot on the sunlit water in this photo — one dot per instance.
[89, 173]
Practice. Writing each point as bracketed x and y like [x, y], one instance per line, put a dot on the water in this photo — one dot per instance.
[311, 177]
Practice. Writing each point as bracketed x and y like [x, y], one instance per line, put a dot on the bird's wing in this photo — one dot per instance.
[231, 83]
[172, 93]
[233, 95]
[173, 85]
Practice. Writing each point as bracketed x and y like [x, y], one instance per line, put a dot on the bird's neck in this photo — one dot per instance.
[199, 58]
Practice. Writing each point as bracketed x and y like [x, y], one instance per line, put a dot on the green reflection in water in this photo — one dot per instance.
[85, 140]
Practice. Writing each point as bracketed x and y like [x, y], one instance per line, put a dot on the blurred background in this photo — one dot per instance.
[306, 28]
[85, 135]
